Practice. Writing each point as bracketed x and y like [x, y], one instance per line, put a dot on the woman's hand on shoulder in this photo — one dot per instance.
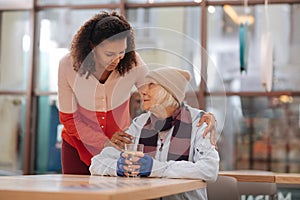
[211, 122]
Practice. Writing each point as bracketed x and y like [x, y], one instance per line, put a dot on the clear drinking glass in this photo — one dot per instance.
[133, 153]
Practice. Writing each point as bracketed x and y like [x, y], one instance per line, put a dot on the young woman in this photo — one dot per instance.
[95, 81]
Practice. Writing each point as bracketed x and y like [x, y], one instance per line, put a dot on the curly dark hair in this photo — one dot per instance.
[100, 27]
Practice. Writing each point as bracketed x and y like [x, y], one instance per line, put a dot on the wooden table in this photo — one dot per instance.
[78, 187]
[250, 175]
[287, 178]
[263, 176]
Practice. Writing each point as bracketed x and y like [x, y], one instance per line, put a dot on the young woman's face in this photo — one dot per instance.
[149, 93]
[109, 53]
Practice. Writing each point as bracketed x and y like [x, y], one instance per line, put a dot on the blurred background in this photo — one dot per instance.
[220, 43]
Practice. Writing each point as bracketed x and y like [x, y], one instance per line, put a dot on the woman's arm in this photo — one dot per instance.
[105, 163]
[142, 70]
[73, 124]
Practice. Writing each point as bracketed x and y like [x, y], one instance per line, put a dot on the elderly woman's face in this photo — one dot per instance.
[149, 93]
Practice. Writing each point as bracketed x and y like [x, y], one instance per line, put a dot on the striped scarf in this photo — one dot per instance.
[179, 148]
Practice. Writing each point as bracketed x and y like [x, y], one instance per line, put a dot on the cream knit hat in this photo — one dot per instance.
[174, 80]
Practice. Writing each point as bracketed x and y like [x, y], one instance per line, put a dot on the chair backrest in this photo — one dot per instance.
[258, 188]
[251, 188]
[224, 188]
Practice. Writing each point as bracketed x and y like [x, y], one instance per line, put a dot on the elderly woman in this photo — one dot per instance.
[174, 147]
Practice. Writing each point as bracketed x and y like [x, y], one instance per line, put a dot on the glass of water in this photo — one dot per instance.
[132, 154]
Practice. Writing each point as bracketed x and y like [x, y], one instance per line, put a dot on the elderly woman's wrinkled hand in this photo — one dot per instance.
[139, 165]
[128, 165]
[146, 163]
[120, 166]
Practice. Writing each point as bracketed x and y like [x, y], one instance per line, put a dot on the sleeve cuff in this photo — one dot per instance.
[158, 168]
